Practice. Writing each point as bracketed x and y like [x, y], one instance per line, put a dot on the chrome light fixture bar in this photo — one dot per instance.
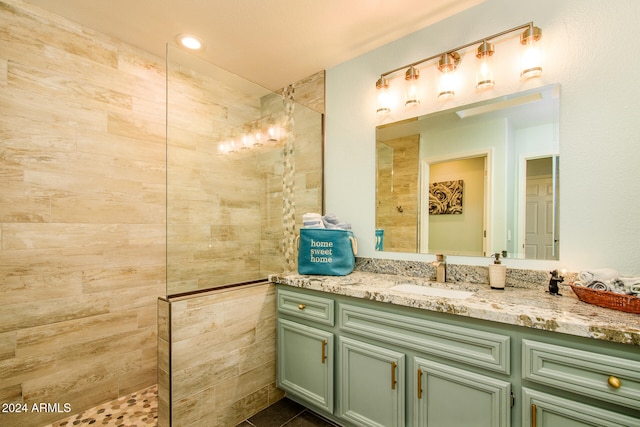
[448, 62]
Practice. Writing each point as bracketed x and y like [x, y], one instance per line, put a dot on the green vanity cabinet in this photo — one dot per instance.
[371, 384]
[305, 362]
[374, 364]
[438, 393]
[447, 396]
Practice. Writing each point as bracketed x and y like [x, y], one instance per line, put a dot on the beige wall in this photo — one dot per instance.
[82, 208]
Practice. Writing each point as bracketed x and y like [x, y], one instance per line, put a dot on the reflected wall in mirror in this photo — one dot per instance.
[504, 153]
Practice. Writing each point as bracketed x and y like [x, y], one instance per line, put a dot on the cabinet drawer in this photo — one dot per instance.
[547, 410]
[596, 375]
[476, 348]
[305, 306]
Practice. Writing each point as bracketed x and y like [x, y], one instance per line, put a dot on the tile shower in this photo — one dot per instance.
[90, 200]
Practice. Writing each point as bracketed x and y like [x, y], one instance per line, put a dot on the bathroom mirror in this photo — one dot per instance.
[473, 180]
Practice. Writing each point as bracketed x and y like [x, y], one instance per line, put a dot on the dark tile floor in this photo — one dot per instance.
[287, 413]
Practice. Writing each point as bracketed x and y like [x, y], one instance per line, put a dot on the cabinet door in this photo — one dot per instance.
[371, 384]
[546, 410]
[445, 396]
[305, 363]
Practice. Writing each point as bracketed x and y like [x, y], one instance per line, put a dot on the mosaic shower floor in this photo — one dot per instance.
[136, 410]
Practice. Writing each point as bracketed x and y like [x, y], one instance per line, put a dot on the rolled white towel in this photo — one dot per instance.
[601, 285]
[630, 282]
[598, 274]
[635, 289]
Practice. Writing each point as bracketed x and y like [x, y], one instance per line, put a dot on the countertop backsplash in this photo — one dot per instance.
[476, 274]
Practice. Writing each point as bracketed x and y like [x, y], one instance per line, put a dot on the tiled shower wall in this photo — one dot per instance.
[82, 214]
[396, 202]
[223, 347]
[228, 222]
[225, 212]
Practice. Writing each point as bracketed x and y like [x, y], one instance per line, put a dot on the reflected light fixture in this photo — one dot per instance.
[447, 64]
[530, 65]
[484, 76]
[411, 90]
[189, 41]
[383, 101]
[273, 133]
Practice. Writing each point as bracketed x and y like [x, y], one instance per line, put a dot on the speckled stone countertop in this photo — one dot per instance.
[524, 305]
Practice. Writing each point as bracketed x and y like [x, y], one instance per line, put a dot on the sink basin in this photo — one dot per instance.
[432, 292]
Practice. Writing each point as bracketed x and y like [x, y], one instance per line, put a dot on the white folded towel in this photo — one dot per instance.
[332, 221]
[312, 220]
[601, 274]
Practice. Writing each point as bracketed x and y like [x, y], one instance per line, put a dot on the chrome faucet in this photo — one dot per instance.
[441, 268]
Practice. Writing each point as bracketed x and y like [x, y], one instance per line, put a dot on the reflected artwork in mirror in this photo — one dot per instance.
[492, 167]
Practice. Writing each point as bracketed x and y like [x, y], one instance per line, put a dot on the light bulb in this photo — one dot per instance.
[384, 98]
[531, 60]
[411, 89]
[484, 76]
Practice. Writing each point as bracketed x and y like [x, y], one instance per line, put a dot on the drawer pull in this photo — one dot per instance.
[301, 306]
[393, 375]
[614, 382]
[534, 413]
[419, 384]
[324, 351]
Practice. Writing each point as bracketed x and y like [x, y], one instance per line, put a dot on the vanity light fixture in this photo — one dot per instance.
[449, 60]
[447, 65]
[484, 76]
[189, 41]
[411, 90]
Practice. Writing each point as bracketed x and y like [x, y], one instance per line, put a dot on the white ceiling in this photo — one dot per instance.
[269, 42]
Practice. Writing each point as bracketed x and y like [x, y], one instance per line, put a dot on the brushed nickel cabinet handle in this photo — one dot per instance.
[324, 351]
[614, 381]
[301, 306]
[393, 375]
[419, 384]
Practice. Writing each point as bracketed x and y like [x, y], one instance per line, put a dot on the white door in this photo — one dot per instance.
[540, 216]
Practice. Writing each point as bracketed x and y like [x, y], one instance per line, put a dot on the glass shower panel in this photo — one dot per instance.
[243, 163]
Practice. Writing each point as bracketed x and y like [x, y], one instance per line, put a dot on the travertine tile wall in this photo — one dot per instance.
[223, 351]
[82, 214]
[397, 205]
[222, 344]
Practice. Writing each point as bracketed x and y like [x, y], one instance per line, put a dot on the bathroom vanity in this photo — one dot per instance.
[371, 349]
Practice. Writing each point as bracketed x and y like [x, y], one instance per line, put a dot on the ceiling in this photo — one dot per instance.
[270, 42]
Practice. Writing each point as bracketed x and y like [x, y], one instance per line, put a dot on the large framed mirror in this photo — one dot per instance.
[473, 180]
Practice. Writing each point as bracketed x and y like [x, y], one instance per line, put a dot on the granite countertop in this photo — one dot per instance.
[528, 306]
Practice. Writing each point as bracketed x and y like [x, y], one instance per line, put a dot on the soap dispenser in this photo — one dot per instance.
[497, 271]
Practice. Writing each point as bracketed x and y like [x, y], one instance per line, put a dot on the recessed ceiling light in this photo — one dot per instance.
[189, 41]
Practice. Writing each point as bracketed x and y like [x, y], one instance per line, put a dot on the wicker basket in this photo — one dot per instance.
[622, 302]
